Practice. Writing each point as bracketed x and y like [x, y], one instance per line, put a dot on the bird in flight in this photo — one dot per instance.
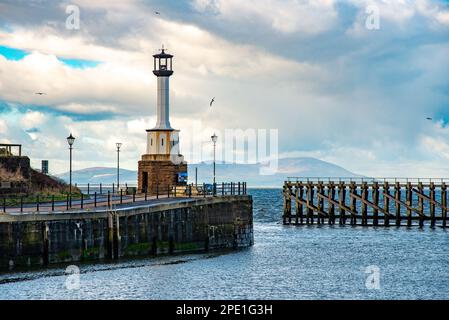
[40, 93]
[212, 101]
[428, 118]
[157, 12]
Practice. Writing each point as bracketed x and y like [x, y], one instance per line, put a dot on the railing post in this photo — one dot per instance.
[157, 191]
[21, 203]
[134, 195]
[53, 202]
[109, 199]
[121, 196]
[222, 188]
[168, 191]
[113, 187]
[67, 201]
[190, 191]
[88, 188]
[204, 189]
[146, 194]
[4, 204]
[174, 187]
[82, 201]
[101, 188]
[238, 188]
[95, 199]
[37, 203]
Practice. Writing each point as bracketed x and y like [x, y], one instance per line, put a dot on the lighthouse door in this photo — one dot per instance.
[144, 181]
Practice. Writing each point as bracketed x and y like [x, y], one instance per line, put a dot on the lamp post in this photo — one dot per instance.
[70, 141]
[118, 144]
[214, 140]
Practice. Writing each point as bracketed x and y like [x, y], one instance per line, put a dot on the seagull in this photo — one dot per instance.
[40, 93]
[428, 118]
[212, 101]
[157, 12]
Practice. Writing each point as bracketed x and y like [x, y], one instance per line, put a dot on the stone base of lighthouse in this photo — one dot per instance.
[156, 170]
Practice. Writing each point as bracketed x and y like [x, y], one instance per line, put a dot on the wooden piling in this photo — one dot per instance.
[432, 204]
[364, 190]
[421, 204]
[353, 201]
[386, 204]
[397, 196]
[375, 195]
[408, 196]
[444, 203]
[299, 199]
[331, 199]
[342, 202]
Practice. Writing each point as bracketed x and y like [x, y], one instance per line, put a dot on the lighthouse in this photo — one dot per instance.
[162, 166]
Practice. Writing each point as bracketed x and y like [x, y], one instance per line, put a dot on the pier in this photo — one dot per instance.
[366, 201]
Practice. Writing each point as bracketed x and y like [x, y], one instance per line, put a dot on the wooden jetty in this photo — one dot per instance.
[366, 201]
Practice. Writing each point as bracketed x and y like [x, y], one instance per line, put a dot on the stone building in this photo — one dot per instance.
[162, 165]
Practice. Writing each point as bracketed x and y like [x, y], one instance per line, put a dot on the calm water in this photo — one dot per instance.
[286, 262]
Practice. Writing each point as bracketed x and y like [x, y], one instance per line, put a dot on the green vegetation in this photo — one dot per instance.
[41, 196]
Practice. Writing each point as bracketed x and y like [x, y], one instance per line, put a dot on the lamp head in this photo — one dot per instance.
[70, 139]
[214, 138]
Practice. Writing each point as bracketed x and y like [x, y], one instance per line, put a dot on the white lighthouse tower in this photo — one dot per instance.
[162, 164]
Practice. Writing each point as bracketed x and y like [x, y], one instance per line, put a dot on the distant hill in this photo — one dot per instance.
[288, 167]
[100, 175]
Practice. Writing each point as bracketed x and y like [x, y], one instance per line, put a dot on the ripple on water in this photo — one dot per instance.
[286, 262]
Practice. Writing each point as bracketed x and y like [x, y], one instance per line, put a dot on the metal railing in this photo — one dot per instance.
[107, 196]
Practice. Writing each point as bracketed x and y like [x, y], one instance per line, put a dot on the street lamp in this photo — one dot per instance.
[70, 141]
[214, 140]
[118, 144]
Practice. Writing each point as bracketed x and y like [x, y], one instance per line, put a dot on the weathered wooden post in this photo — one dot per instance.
[397, 196]
[342, 201]
[309, 203]
[421, 204]
[386, 204]
[364, 205]
[408, 201]
[331, 199]
[444, 203]
[299, 207]
[432, 204]
[296, 202]
[320, 202]
[375, 189]
[353, 201]
[287, 203]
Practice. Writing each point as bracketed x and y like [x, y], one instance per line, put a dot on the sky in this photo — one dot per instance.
[333, 88]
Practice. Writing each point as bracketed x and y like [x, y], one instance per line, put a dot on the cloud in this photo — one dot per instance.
[311, 69]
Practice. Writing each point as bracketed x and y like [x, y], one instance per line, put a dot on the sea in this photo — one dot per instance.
[286, 262]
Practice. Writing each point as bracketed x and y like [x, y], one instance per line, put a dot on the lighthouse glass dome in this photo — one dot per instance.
[163, 64]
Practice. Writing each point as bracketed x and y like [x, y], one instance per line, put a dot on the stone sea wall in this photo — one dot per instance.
[188, 225]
